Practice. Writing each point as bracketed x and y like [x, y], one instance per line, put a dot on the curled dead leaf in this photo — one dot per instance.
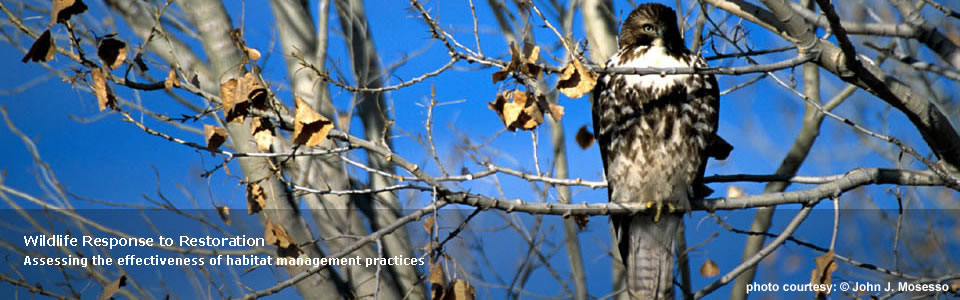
[252, 53]
[42, 49]
[499, 75]
[436, 274]
[576, 80]
[262, 130]
[224, 212]
[584, 138]
[215, 136]
[112, 52]
[228, 90]
[275, 235]
[113, 287]
[63, 9]
[428, 223]
[172, 79]
[525, 61]
[256, 198]
[105, 97]
[522, 111]
[252, 91]
[240, 94]
[581, 221]
[237, 36]
[522, 62]
[506, 110]
[531, 56]
[460, 290]
[709, 269]
[309, 127]
[823, 273]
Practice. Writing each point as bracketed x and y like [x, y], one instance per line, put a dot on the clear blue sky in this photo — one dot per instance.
[111, 160]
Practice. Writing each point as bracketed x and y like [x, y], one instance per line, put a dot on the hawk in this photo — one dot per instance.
[655, 133]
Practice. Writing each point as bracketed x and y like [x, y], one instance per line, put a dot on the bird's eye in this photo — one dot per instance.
[648, 27]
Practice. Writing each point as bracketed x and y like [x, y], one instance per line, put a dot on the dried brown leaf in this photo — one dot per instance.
[581, 221]
[228, 91]
[112, 52]
[224, 212]
[436, 274]
[172, 79]
[530, 67]
[113, 287]
[709, 269]
[521, 62]
[215, 136]
[251, 90]
[532, 116]
[584, 138]
[823, 273]
[533, 55]
[511, 112]
[64, 9]
[460, 290]
[428, 223]
[525, 62]
[252, 53]
[240, 94]
[576, 80]
[309, 127]
[735, 191]
[275, 235]
[499, 75]
[256, 198]
[522, 112]
[42, 49]
[105, 97]
[497, 107]
[262, 131]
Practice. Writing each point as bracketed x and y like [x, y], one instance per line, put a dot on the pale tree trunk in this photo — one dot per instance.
[381, 208]
[214, 27]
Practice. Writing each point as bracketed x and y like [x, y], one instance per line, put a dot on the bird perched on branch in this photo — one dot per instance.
[655, 133]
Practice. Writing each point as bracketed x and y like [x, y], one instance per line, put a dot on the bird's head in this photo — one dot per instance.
[652, 24]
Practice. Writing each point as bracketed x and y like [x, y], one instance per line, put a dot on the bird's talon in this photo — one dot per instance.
[656, 217]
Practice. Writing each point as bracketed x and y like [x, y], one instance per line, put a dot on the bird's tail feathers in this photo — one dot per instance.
[649, 262]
